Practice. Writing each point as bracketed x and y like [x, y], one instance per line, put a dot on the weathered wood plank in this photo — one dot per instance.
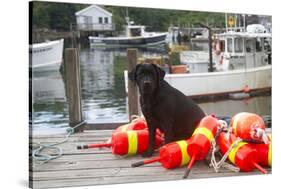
[156, 170]
[91, 133]
[126, 179]
[73, 92]
[133, 101]
[96, 164]
[94, 157]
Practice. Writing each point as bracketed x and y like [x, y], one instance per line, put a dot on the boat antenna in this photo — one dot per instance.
[226, 22]
[127, 17]
[244, 21]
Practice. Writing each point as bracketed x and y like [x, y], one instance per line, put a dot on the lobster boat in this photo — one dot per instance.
[135, 36]
[46, 55]
[242, 62]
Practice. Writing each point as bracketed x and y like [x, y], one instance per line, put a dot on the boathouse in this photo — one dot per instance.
[94, 18]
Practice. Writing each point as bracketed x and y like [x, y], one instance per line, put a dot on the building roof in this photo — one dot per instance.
[90, 7]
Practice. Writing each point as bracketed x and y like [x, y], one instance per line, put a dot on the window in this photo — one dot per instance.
[222, 44]
[249, 46]
[238, 45]
[229, 45]
[105, 20]
[100, 20]
[258, 45]
[135, 32]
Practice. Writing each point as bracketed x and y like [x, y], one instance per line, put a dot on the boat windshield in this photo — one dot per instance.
[238, 45]
[229, 45]
[135, 32]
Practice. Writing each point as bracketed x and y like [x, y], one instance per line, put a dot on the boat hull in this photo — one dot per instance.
[128, 41]
[216, 83]
[46, 56]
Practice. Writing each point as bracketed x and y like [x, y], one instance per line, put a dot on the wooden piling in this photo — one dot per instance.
[133, 101]
[73, 92]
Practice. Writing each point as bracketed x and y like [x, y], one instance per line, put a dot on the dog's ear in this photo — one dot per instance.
[133, 73]
[160, 73]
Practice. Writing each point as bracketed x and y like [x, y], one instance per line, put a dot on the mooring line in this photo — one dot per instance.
[37, 154]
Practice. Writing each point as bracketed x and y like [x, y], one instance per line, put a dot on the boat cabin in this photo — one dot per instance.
[135, 31]
[240, 50]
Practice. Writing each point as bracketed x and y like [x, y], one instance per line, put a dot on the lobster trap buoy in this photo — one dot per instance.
[239, 153]
[264, 153]
[200, 143]
[249, 126]
[171, 156]
[127, 143]
[136, 124]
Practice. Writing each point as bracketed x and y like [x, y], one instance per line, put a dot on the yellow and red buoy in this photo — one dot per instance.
[264, 153]
[171, 155]
[241, 155]
[200, 142]
[127, 142]
[138, 124]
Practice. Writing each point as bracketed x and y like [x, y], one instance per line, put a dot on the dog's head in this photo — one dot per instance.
[147, 76]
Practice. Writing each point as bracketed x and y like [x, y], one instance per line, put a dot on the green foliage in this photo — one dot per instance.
[175, 58]
[60, 15]
[54, 15]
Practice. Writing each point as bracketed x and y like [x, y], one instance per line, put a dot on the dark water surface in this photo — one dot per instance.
[103, 92]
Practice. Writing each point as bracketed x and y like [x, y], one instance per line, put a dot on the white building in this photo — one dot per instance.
[94, 18]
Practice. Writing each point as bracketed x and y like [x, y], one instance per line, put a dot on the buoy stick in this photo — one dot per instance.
[79, 147]
[260, 168]
[140, 163]
[187, 170]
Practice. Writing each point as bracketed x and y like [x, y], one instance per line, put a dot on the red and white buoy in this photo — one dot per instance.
[249, 126]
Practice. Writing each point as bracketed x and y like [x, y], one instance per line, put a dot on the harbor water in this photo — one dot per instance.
[104, 98]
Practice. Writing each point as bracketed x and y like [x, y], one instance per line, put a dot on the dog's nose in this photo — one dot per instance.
[146, 83]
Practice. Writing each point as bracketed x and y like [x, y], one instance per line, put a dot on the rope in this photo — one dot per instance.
[136, 117]
[42, 158]
[217, 165]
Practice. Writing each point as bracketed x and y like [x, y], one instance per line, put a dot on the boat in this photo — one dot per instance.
[46, 56]
[135, 35]
[242, 63]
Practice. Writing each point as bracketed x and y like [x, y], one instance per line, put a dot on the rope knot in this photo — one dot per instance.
[70, 130]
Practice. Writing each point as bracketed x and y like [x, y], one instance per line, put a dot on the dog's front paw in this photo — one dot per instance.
[148, 153]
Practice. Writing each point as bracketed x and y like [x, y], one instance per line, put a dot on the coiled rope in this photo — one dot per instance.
[41, 158]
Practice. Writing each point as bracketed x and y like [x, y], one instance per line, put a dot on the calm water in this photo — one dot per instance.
[103, 92]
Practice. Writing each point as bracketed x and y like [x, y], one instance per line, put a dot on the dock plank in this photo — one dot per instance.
[100, 166]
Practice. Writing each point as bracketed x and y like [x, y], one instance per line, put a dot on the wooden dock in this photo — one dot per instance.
[100, 166]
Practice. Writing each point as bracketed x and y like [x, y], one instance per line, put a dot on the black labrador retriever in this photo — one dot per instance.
[163, 106]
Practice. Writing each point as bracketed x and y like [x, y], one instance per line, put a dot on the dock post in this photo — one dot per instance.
[73, 92]
[133, 101]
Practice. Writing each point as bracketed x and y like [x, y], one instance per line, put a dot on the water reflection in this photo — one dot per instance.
[103, 88]
[50, 112]
[259, 105]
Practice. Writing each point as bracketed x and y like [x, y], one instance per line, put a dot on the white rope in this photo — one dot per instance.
[260, 133]
[136, 117]
[41, 158]
[217, 165]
